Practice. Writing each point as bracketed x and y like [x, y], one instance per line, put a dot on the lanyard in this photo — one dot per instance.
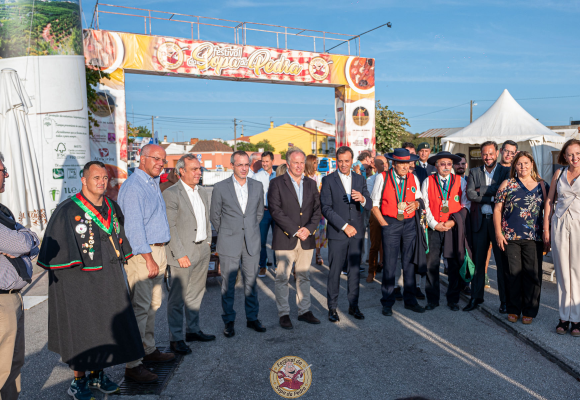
[445, 189]
[401, 192]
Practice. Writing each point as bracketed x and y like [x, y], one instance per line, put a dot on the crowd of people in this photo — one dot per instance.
[107, 259]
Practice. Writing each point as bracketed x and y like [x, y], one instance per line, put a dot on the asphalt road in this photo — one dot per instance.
[439, 355]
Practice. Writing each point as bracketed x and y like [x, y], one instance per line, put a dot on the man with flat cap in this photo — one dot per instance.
[422, 168]
[446, 204]
[396, 198]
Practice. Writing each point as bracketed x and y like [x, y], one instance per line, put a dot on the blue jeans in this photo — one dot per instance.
[265, 225]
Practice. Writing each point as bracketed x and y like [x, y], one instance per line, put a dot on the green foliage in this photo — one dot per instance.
[21, 24]
[283, 154]
[92, 78]
[263, 144]
[138, 131]
[389, 128]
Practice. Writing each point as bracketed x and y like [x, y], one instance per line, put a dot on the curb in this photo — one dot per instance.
[546, 353]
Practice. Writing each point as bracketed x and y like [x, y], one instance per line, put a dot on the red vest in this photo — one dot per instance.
[389, 198]
[436, 202]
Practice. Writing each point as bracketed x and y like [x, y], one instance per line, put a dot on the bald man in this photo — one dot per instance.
[147, 229]
[375, 227]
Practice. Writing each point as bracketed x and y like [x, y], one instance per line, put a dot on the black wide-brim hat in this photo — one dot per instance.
[401, 155]
[443, 154]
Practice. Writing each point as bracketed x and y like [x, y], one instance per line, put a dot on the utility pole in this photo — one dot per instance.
[235, 139]
[471, 111]
[242, 130]
[152, 127]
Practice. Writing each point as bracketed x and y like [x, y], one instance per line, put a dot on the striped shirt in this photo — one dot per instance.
[23, 243]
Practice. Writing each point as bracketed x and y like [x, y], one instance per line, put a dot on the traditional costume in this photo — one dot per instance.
[91, 322]
[445, 199]
[392, 194]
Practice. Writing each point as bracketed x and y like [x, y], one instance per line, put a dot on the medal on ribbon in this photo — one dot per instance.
[444, 189]
[401, 195]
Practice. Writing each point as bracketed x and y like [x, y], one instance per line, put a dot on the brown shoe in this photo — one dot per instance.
[140, 374]
[285, 322]
[370, 277]
[513, 318]
[158, 356]
[262, 273]
[308, 317]
[527, 320]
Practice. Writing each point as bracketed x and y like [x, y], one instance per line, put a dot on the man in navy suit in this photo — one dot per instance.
[343, 196]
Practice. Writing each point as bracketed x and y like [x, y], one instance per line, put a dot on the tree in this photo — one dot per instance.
[283, 154]
[93, 78]
[389, 128]
[263, 144]
[138, 131]
[245, 146]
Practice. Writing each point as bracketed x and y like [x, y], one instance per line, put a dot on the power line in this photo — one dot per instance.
[443, 109]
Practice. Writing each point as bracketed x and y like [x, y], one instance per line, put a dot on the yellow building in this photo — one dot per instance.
[284, 136]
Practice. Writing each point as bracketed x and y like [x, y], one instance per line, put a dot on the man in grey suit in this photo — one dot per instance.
[482, 185]
[237, 207]
[188, 253]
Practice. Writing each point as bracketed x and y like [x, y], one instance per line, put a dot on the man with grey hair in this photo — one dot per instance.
[147, 229]
[18, 245]
[237, 207]
[188, 253]
[294, 204]
[255, 164]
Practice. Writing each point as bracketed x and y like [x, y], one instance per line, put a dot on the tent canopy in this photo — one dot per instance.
[507, 120]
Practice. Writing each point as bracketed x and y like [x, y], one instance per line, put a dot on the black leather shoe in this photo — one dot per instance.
[198, 337]
[285, 322]
[453, 306]
[268, 264]
[415, 307]
[398, 294]
[472, 305]
[355, 312]
[503, 308]
[333, 315]
[419, 294]
[179, 347]
[256, 325]
[431, 306]
[229, 330]
[308, 317]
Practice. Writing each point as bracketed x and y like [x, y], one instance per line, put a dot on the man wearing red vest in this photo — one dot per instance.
[394, 197]
[444, 195]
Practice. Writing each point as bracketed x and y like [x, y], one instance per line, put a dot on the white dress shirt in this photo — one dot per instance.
[486, 208]
[198, 210]
[423, 164]
[431, 221]
[347, 185]
[377, 193]
[371, 182]
[264, 178]
[241, 193]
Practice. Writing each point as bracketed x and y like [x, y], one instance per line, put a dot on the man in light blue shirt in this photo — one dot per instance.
[147, 229]
[265, 175]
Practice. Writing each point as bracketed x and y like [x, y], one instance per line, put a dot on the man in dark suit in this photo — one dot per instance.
[237, 207]
[343, 196]
[482, 185]
[294, 204]
[422, 168]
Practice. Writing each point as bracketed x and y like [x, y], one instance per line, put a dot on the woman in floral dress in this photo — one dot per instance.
[311, 171]
[518, 218]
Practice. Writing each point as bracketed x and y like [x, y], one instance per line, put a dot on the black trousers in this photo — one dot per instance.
[344, 253]
[524, 276]
[399, 237]
[481, 241]
[432, 287]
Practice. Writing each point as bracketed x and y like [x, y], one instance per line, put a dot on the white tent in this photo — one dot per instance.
[23, 194]
[507, 120]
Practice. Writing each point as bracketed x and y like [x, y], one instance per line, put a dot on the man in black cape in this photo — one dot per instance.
[91, 322]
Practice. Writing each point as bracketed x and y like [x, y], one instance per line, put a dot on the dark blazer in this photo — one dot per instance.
[287, 214]
[476, 179]
[423, 173]
[338, 210]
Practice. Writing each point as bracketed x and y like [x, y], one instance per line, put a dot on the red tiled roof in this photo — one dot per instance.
[210, 146]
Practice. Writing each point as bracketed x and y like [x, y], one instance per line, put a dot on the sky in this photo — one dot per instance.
[437, 55]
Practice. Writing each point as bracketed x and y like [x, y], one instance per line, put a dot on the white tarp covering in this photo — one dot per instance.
[507, 120]
[24, 190]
